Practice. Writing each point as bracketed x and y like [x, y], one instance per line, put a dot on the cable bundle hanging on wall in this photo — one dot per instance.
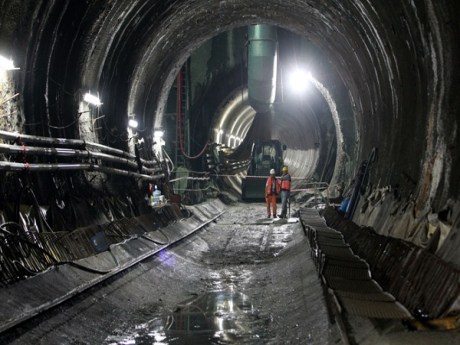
[111, 155]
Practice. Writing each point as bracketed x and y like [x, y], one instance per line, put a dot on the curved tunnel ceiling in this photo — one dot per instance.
[392, 59]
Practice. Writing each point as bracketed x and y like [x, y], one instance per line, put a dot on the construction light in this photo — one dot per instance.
[158, 134]
[7, 64]
[299, 80]
[91, 99]
[133, 123]
[158, 139]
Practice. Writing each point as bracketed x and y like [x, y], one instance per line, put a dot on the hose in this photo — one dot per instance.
[21, 239]
[13, 166]
[65, 152]
[68, 143]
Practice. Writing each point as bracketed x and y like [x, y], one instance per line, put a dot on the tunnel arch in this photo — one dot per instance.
[362, 39]
[392, 58]
[157, 103]
[371, 90]
[169, 80]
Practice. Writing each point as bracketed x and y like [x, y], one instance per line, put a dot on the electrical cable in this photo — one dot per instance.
[19, 238]
[13, 166]
[38, 210]
[170, 160]
[68, 125]
[94, 270]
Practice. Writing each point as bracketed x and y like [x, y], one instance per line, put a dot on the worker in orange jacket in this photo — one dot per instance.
[272, 189]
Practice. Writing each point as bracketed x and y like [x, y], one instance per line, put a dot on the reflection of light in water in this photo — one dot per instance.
[230, 305]
[220, 323]
[217, 280]
[158, 338]
[224, 315]
[129, 341]
[220, 328]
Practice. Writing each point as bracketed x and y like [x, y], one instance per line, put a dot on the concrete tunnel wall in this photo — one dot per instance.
[398, 61]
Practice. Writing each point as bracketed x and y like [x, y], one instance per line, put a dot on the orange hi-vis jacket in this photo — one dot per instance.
[286, 182]
[269, 184]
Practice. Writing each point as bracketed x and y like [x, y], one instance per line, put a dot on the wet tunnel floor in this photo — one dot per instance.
[240, 280]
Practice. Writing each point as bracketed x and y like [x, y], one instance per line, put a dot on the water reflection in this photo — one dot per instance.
[217, 317]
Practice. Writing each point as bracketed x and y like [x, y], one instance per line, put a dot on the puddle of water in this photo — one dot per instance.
[217, 317]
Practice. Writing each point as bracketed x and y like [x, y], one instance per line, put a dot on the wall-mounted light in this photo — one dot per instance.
[158, 134]
[133, 123]
[158, 139]
[91, 99]
[7, 64]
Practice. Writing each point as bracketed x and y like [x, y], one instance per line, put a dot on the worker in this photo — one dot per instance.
[285, 190]
[272, 190]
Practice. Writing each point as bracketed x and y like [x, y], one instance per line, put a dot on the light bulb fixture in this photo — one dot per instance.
[7, 64]
[158, 134]
[133, 123]
[91, 99]
[299, 80]
[158, 141]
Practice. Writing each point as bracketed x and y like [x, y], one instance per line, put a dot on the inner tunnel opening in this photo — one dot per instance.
[302, 116]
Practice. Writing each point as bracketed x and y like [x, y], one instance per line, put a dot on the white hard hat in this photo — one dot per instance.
[272, 172]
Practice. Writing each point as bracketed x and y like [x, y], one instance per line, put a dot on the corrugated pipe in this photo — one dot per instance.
[64, 152]
[13, 166]
[69, 142]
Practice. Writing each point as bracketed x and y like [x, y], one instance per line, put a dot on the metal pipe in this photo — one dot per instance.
[68, 142]
[13, 166]
[65, 152]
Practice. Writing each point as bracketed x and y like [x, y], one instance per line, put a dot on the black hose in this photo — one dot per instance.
[21, 239]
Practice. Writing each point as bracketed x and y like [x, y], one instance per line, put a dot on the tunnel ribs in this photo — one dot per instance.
[425, 284]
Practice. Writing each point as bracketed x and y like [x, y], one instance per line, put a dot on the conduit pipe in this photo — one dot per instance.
[64, 152]
[13, 166]
[69, 142]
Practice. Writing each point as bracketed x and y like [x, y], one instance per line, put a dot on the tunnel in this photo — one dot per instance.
[132, 145]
